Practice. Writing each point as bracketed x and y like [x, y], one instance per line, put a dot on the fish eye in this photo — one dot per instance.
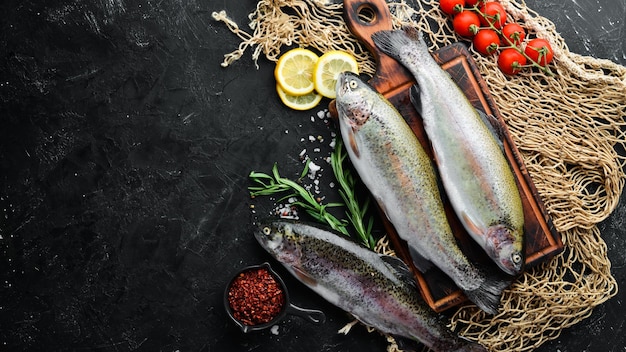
[516, 258]
[353, 84]
[267, 231]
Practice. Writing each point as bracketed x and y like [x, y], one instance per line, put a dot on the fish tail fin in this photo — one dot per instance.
[487, 296]
[394, 42]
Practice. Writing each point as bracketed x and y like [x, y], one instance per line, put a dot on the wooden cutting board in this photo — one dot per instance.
[393, 81]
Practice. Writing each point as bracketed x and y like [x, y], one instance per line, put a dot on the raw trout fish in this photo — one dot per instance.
[394, 166]
[376, 289]
[469, 155]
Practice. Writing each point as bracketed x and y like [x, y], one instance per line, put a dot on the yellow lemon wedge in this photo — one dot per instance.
[294, 71]
[328, 68]
[299, 102]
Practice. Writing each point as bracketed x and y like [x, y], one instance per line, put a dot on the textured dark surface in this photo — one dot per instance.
[124, 156]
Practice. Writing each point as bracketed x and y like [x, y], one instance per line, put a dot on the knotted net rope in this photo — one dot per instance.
[569, 129]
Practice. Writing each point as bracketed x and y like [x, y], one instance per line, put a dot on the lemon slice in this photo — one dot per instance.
[328, 68]
[298, 102]
[294, 71]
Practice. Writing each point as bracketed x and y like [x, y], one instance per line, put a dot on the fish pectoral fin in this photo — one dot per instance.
[352, 143]
[494, 127]
[421, 263]
[415, 96]
[400, 267]
[304, 277]
[470, 225]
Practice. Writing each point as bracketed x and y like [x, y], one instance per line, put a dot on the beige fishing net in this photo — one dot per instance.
[569, 129]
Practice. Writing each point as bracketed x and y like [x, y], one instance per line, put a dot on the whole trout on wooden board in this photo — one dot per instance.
[378, 290]
[473, 168]
[394, 166]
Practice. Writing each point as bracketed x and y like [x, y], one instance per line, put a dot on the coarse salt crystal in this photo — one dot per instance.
[274, 329]
[314, 167]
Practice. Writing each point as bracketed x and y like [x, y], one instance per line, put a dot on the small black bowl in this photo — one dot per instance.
[312, 315]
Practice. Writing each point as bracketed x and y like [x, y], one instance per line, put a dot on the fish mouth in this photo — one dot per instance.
[341, 86]
[343, 83]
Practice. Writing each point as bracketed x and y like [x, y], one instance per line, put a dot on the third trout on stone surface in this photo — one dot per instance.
[394, 166]
[473, 168]
[378, 290]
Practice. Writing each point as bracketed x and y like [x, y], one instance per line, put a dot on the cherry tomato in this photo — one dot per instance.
[514, 32]
[540, 51]
[472, 3]
[466, 23]
[511, 61]
[493, 13]
[486, 41]
[451, 7]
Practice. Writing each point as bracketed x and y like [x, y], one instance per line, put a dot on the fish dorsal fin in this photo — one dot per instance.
[399, 267]
[421, 263]
[493, 126]
[416, 100]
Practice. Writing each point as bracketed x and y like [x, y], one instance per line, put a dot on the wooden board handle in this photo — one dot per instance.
[364, 18]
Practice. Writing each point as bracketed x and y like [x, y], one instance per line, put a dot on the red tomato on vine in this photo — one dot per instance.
[472, 3]
[511, 61]
[540, 51]
[514, 32]
[451, 7]
[493, 13]
[466, 23]
[486, 41]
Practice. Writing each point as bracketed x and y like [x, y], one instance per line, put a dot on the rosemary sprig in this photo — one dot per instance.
[356, 212]
[268, 185]
[274, 184]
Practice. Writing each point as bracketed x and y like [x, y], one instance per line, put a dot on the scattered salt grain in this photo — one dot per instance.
[313, 169]
[311, 139]
[321, 114]
[286, 211]
[274, 329]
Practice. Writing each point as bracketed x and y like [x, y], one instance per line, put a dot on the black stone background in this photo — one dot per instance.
[124, 156]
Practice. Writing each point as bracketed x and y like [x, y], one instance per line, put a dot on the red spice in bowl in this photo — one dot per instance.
[255, 297]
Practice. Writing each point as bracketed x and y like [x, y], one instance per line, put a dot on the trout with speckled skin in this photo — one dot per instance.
[474, 171]
[394, 166]
[376, 289]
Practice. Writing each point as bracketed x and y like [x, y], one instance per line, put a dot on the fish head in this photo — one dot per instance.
[279, 240]
[506, 247]
[354, 105]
